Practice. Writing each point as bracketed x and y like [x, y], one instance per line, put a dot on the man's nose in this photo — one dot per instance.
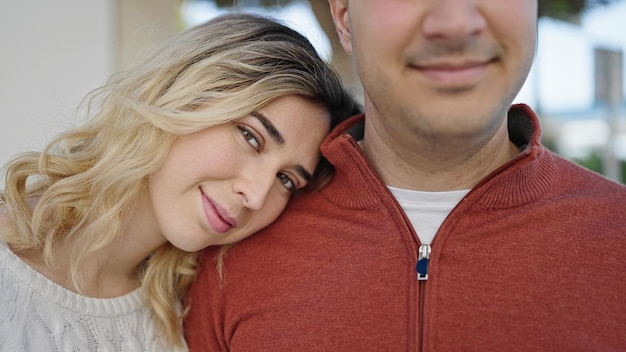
[452, 20]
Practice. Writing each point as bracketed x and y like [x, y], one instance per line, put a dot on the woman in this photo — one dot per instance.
[202, 144]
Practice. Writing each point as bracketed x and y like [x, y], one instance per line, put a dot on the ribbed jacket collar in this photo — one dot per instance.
[528, 176]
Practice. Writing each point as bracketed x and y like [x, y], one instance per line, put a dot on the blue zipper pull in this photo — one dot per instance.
[422, 263]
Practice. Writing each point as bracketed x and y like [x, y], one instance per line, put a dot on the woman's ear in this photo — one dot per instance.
[339, 11]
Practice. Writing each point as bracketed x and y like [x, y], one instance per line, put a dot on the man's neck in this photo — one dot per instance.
[410, 166]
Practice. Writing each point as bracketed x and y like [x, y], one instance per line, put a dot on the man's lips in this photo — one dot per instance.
[454, 75]
[217, 217]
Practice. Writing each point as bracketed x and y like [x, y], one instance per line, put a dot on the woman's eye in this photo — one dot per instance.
[250, 138]
[287, 183]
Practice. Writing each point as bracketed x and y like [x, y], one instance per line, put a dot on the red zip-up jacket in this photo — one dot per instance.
[532, 259]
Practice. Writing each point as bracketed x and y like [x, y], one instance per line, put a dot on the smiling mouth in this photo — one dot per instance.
[453, 73]
[216, 216]
[454, 76]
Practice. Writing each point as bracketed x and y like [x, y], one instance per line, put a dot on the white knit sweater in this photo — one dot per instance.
[38, 315]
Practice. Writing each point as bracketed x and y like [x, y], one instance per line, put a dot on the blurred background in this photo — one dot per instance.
[54, 52]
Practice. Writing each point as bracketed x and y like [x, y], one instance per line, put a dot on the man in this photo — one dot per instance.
[448, 227]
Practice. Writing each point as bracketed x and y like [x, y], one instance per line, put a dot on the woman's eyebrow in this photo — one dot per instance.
[304, 173]
[269, 126]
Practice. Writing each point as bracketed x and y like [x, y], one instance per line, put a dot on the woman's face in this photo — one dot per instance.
[226, 182]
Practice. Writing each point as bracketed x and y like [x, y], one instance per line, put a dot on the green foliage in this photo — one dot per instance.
[595, 163]
[562, 9]
[592, 162]
[567, 9]
[240, 3]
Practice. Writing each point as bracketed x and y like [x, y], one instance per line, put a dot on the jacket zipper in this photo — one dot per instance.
[422, 262]
[422, 275]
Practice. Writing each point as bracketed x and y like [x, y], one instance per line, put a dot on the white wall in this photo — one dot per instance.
[52, 54]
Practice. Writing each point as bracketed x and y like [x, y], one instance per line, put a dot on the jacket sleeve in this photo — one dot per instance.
[202, 325]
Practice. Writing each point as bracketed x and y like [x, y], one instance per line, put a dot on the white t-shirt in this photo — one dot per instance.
[36, 314]
[427, 210]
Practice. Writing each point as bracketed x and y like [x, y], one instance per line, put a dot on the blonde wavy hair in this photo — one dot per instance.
[88, 177]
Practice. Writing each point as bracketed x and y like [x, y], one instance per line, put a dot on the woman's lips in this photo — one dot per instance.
[217, 217]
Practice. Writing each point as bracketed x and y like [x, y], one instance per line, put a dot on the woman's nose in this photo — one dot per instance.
[255, 187]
